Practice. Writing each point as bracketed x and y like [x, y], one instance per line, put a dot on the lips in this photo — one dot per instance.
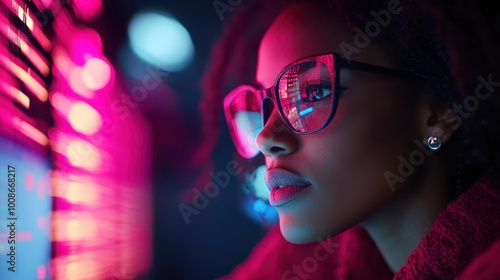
[284, 186]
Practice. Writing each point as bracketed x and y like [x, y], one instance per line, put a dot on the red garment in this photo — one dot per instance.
[467, 232]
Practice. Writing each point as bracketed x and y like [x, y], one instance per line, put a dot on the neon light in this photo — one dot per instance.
[306, 111]
[81, 228]
[82, 154]
[42, 272]
[78, 193]
[31, 22]
[23, 43]
[31, 132]
[76, 83]
[16, 94]
[28, 78]
[96, 74]
[87, 9]
[84, 119]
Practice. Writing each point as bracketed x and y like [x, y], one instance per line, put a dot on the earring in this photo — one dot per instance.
[434, 142]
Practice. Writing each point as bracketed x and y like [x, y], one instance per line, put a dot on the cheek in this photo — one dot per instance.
[353, 153]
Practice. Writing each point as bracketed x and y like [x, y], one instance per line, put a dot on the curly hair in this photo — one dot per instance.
[449, 47]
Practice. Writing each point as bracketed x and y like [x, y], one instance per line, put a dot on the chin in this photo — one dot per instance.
[298, 233]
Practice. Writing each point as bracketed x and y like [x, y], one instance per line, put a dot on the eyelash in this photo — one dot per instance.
[309, 83]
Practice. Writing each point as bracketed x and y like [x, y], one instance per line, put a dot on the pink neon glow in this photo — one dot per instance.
[76, 83]
[78, 193]
[31, 132]
[83, 154]
[85, 45]
[47, 3]
[31, 22]
[29, 181]
[84, 119]
[23, 43]
[7, 85]
[102, 180]
[96, 74]
[42, 272]
[60, 102]
[87, 9]
[81, 228]
[82, 269]
[32, 81]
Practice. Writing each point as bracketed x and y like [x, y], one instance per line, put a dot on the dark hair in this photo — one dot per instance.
[446, 45]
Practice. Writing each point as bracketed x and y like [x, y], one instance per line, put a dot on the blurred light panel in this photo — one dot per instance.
[161, 40]
[84, 119]
[84, 155]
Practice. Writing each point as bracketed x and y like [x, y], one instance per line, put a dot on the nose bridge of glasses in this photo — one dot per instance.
[268, 104]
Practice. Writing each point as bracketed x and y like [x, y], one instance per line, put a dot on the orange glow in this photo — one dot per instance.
[42, 272]
[84, 119]
[81, 269]
[78, 193]
[83, 154]
[31, 132]
[78, 229]
[77, 84]
[96, 74]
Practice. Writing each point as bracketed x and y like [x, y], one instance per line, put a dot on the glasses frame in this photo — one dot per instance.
[333, 61]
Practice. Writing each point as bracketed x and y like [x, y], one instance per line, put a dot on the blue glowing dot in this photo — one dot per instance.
[160, 40]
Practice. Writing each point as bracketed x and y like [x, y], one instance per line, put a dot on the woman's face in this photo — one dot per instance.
[345, 162]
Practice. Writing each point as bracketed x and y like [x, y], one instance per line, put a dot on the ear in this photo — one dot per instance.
[435, 120]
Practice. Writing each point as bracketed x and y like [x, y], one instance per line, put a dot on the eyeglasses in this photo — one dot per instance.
[305, 93]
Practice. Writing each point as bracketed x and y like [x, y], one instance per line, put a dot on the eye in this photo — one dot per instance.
[316, 92]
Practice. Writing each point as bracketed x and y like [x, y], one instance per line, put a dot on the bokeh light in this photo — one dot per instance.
[84, 119]
[161, 40]
[96, 74]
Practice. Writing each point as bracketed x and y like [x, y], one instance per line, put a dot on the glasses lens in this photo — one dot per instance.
[244, 119]
[305, 95]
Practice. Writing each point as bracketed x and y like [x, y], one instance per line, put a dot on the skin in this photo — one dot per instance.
[376, 121]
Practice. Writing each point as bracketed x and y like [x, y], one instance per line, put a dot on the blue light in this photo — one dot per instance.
[306, 111]
[161, 40]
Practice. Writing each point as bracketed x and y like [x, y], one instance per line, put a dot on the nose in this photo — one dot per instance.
[276, 139]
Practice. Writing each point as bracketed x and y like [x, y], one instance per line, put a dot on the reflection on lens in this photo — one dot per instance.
[305, 95]
[248, 124]
[306, 111]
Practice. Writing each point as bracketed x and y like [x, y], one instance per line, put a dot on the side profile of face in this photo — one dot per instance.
[346, 161]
